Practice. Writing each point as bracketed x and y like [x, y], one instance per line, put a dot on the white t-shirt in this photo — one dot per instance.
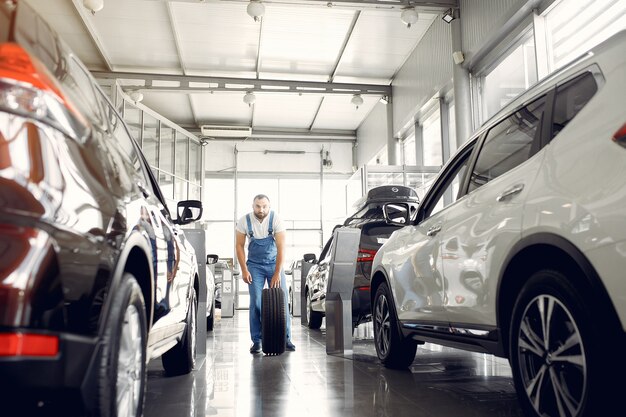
[260, 230]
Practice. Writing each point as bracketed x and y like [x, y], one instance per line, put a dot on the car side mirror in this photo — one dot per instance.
[397, 213]
[211, 259]
[188, 211]
[309, 258]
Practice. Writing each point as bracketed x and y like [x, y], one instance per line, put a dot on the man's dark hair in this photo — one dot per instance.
[260, 197]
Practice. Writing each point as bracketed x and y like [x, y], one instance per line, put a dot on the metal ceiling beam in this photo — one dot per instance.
[212, 84]
[288, 135]
[424, 5]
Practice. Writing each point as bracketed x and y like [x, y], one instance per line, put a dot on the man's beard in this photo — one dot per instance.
[260, 216]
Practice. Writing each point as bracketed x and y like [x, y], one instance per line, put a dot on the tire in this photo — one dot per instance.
[273, 321]
[313, 318]
[181, 359]
[393, 350]
[122, 370]
[210, 320]
[550, 313]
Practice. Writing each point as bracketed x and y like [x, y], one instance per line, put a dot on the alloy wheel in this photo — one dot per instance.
[382, 325]
[129, 366]
[552, 359]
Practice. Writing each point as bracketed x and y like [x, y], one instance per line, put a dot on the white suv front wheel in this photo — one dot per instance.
[555, 355]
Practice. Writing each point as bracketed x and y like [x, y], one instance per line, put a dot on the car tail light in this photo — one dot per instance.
[365, 255]
[24, 344]
[620, 136]
[363, 288]
[27, 88]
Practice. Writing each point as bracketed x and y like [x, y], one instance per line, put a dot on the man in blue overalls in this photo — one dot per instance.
[266, 235]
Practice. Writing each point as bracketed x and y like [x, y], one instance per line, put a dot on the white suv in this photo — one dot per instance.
[519, 247]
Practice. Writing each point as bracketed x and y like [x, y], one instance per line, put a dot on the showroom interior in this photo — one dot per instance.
[314, 103]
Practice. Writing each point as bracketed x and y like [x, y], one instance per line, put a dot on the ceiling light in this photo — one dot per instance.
[357, 100]
[136, 96]
[93, 5]
[448, 16]
[249, 98]
[256, 10]
[409, 16]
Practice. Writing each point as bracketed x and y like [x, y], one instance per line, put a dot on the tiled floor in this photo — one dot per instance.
[232, 382]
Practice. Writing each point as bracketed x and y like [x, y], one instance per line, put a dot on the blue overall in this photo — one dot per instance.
[262, 264]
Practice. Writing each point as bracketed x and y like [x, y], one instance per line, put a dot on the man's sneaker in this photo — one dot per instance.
[290, 346]
[256, 347]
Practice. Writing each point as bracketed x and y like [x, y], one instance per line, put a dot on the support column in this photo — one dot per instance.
[462, 92]
[392, 143]
[419, 145]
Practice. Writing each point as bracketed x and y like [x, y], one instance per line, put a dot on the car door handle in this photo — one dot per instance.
[510, 192]
[434, 230]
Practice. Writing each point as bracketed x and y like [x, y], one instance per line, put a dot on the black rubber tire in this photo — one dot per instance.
[128, 299]
[273, 321]
[181, 358]
[313, 318]
[393, 349]
[588, 382]
[210, 320]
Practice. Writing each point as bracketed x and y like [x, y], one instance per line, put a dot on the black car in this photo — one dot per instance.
[375, 230]
[96, 278]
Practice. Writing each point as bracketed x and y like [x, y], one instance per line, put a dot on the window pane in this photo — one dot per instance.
[571, 97]
[410, 156]
[509, 78]
[150, 140]
[182, 156]
[432, 140]
[166, 182]
[195, 161]
[219, 199]
[574, 26]
[180, 189]
[508, 144]
[132, 116]
[167, 149]
[299, 199]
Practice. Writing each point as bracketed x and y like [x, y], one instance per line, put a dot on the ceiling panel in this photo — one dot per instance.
[303, 40]
[222, 108]
[270, 110]
[216, 36]
[174, 106]
[380, 44]
[337, 112]
[136, 34]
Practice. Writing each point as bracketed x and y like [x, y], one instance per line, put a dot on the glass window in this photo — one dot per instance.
[82, 90]
[166, 155]
[150, 142]
[451, 191]
[166, 182]
[571, 97]
[574, 26]
[512, 76]
[132, 117]
[219, 198]
[408, 150]
[299, 199]
[182, 156]
[432, 140]
[452, 129]
[508, 144]
[195, 161]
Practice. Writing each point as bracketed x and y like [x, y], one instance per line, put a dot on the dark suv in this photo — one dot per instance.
[96, 278]
[374, 232]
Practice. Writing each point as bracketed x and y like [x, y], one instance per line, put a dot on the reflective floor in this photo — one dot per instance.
[308, 382]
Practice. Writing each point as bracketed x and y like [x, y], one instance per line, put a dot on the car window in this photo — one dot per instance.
[571, 97]
[450, 192]
[81, 88]
[508, 144]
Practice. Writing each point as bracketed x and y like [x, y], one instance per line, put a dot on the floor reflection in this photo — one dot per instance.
[232, 382]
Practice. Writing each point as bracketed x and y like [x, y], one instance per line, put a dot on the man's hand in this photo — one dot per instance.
[275, 283]
[247, 278]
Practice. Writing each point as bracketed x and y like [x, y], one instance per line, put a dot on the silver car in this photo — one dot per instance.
[519, 246]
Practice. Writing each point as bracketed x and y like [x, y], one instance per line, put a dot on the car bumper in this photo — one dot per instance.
[65, 381]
